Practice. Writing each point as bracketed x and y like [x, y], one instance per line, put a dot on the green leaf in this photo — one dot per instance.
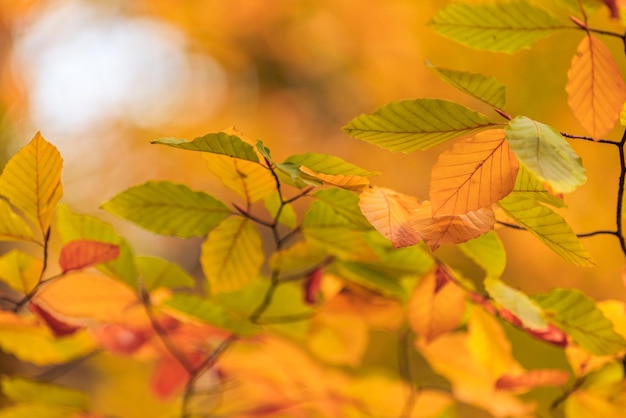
[342, 242]
[20, 271]
[500, 27]
[250, 180]
[215, 143]
[516, 302]
[546, 154]
[301, 256]
[328, 164]
[527, 185]
[410, 125]
[549, 227]
[336, 207]
[413, 260]
[157, 273]
[589, 5]
[210, 313]
[231, 255]
[482, 87]
[488, 252]
[13, 227]
[579, 317]
[74, 227]
[19, 389]
[167, 208]
[287, 216]
[370, 277]
[263, 150]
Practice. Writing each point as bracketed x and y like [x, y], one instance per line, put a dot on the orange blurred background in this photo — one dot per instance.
[100, 79]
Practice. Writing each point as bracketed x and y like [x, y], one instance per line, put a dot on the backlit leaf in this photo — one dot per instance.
[533, 379]
[13, 227]
[549, 227]
[500, 27]
[335, 207]
[582, 320]
[167, 208]
[482, 87]
[595, 87]
[287, 216]
[622, 115]
[474, 173]
[215, 143]
[488, 252]
[527, 185]
[349, 182]
[589, 5]
[338, 339]
[31, 180]
[19, 389]
[328, 164]
[156, 273]
[341, 242]
[73, 227]
[516, 302]
[79, 254]
[20, 271]
[368, 276]
[435, 307]
[546, 154]
[231, 255]
[410, 125]
[208, 312]
[299, 257]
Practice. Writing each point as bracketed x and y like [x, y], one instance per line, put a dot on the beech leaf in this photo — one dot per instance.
[215, 143]
[349, 182]
[231, 255]
[533, 379]
[516, 302]
[474, 173]
[545, 152]
[500, 27]
[156, 273]
[595, 87]
[12, 226]
[527, 185]
[78, 254]
[167, 208]
[549, 227]
[581, 319]
[488, 252]
[328, 164]
[19, 389]
[31, 181]
[287, 215]
[482, 87]
[410, 125]
[20, 271]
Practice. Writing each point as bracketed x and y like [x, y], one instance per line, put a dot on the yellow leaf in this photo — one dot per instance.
[474, 173]
[231, 255]
[20, 271]
[348, 182]
[31, 181]
[595, 87]
[338, 338]
[435, 307]
[588, 403]
[12, 227]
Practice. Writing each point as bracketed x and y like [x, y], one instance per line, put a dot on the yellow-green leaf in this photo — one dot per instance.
[482, 87]
[287, 215]
[549, 227]
[349, 182]
[30, 410]
[156, 273]
[488, 252]
[299, 257]
[527, 185]
[500, 27]
[595, 87]
[167, 208]
[342, 242]
[328, 164]
[31, 181]
[231, 255]
[580, 318]
[474, 173]
[368, 275]
[19, 389]
[20, 271]
[516, 302]
[546, 153]
[410, 125]
[335, 207]
[215, 143]
[13, 227]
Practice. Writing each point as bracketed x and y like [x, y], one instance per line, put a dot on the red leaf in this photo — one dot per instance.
[549, 334]
[120, 339]
[77, 255]
[533, 379]
[170, 376]
[612, 5]
[312, 286]
[58, 327]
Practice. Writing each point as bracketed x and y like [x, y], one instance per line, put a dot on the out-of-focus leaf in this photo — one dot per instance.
[595, 87]
[549, 227]
[167, 208]
[546, 154]
[533, 379]
[208, 312]
[231, 255]
[474, 173]
[299, 257]
[338, 339]
[529, 186]
[435, 306]
[215, 143]
[20, 271]
[82, 253]
[482, 87]
[13, 227]
[589, 5]
[582, 320]
[73, 227]
[57, 326]
[31, 180]
[367, 275]
[406, 261]
[335, 207]
[19, 389]
[488, 252]
[287, 216]
[516, 302]
[410, 125]
[30, 410]
[341, 242]
[622, 115]
[500, 27]
[156, 273]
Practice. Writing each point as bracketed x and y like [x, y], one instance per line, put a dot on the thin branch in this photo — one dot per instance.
[245, 213]
[581, 235]
[620, 194]
[588, 138]
[28, 297]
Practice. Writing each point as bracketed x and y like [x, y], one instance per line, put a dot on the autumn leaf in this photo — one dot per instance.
[13, 227]
[524, 308]
[31, 181]
[348, 182]
[474, 173]
[595, 87]
[57, 326]
[488, 252]
[78, 254]
[20, 271]
[221, 143]
[533, 379]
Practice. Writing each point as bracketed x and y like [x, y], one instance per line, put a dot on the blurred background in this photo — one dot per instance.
[101, 78]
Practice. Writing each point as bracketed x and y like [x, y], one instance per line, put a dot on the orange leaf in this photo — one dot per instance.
[77, 255]
[595, 87]
[436, 306]
[348, 182]
[533, 379]
[474, 173]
